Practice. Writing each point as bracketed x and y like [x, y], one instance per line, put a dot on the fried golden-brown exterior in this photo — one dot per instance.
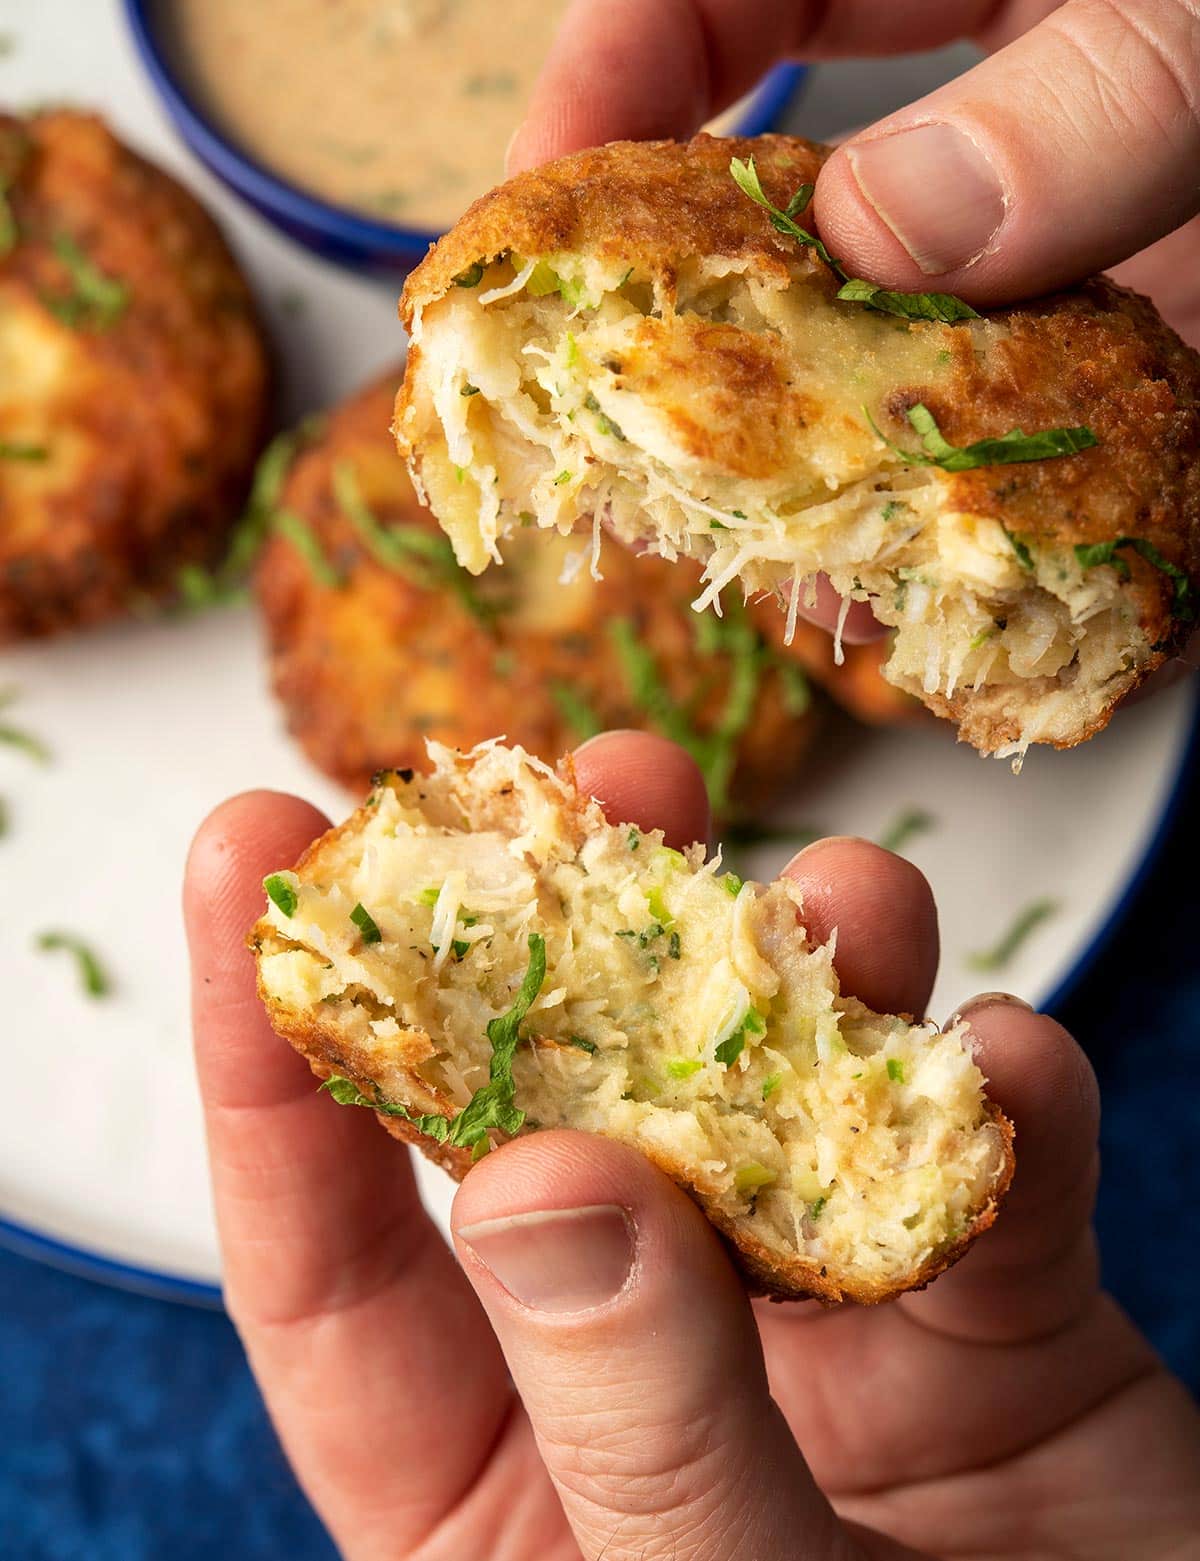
[133, 377]
[478, 953]
[369, 666]
[643, 343]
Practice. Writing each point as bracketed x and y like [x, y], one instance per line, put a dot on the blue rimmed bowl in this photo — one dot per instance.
[335, 232]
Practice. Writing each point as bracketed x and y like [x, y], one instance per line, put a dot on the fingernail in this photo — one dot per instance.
[935, 189]
[557, 1260]
[987, 1000]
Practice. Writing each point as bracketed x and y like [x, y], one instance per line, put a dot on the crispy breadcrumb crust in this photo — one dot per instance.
[368, 670]
[1098, 356]
[150, 421]
[765, 1272]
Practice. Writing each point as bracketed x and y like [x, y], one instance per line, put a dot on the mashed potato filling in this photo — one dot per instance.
[681, 1011]
[723, 416]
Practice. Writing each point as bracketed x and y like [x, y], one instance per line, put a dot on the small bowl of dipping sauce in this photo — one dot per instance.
[363, 129]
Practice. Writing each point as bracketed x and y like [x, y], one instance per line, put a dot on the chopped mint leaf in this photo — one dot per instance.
[814, 1208]
[633, 839]
[745, 176]
[493, 1105]
[97, 301]
[730, 1049]
[1008, 448]
[306, 542]
[895, 1070]
[1021, 549]
[1092, 555]
[770, 1084]
[282, 893]
[347, 1093]
[674, 946]
[17, 737]
[909, 306]
[684, 1067]
[576, 710]
[422, 556]
[91, 972]
[903, 828]
[1009, 944]
[365, 922]
[603, 421]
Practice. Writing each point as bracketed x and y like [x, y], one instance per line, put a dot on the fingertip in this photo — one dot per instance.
[854, 623]
[883, 912]
[643, 779]
[252, 828]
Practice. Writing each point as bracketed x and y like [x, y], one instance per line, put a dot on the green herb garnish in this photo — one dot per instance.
[493, 1105]
[895, 1070]
[576, 710]
[582, 1044]
[943, 307]
[426, 558]
[909, 306]
[366, 924]
[306, 542]
[732, 884]
[684, 1067]
[770, 1084]
[1008, 945]
[1092, 555]
[633, 839]
[91, 972]
[1021, 549]
[730, 1049]
[281, 893]
[603, 421]
[98, 300]
[815, 1207]
[907, 825]
[471, 277]
[1009, 448]
[18, 738]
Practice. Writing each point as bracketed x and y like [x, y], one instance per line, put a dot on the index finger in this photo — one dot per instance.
[605, 79]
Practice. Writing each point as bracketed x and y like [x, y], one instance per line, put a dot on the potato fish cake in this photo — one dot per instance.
[649, 333]
[133, 377]
[378, 639]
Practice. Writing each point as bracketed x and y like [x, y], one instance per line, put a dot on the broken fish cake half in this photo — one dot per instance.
[633, 336]
[477, 953]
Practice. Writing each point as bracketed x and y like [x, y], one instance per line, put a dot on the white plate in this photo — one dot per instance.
[101, 1153]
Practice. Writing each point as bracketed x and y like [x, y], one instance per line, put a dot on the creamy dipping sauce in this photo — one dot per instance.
[401, 109]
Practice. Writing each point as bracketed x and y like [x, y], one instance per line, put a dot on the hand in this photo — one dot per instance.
[1068, 151]
[592, 1380]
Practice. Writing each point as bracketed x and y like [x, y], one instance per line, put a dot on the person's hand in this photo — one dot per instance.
[592, 1381]
[1071, 149]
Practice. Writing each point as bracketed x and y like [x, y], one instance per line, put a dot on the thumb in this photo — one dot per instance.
[632, 1345]
[1062, 154]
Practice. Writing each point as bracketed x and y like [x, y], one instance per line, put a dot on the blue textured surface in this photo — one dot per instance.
[132, 1430]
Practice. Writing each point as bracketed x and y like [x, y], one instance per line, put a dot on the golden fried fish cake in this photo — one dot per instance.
[1017, 495]
[133, 377]
[395, 643]
[845, 1154]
